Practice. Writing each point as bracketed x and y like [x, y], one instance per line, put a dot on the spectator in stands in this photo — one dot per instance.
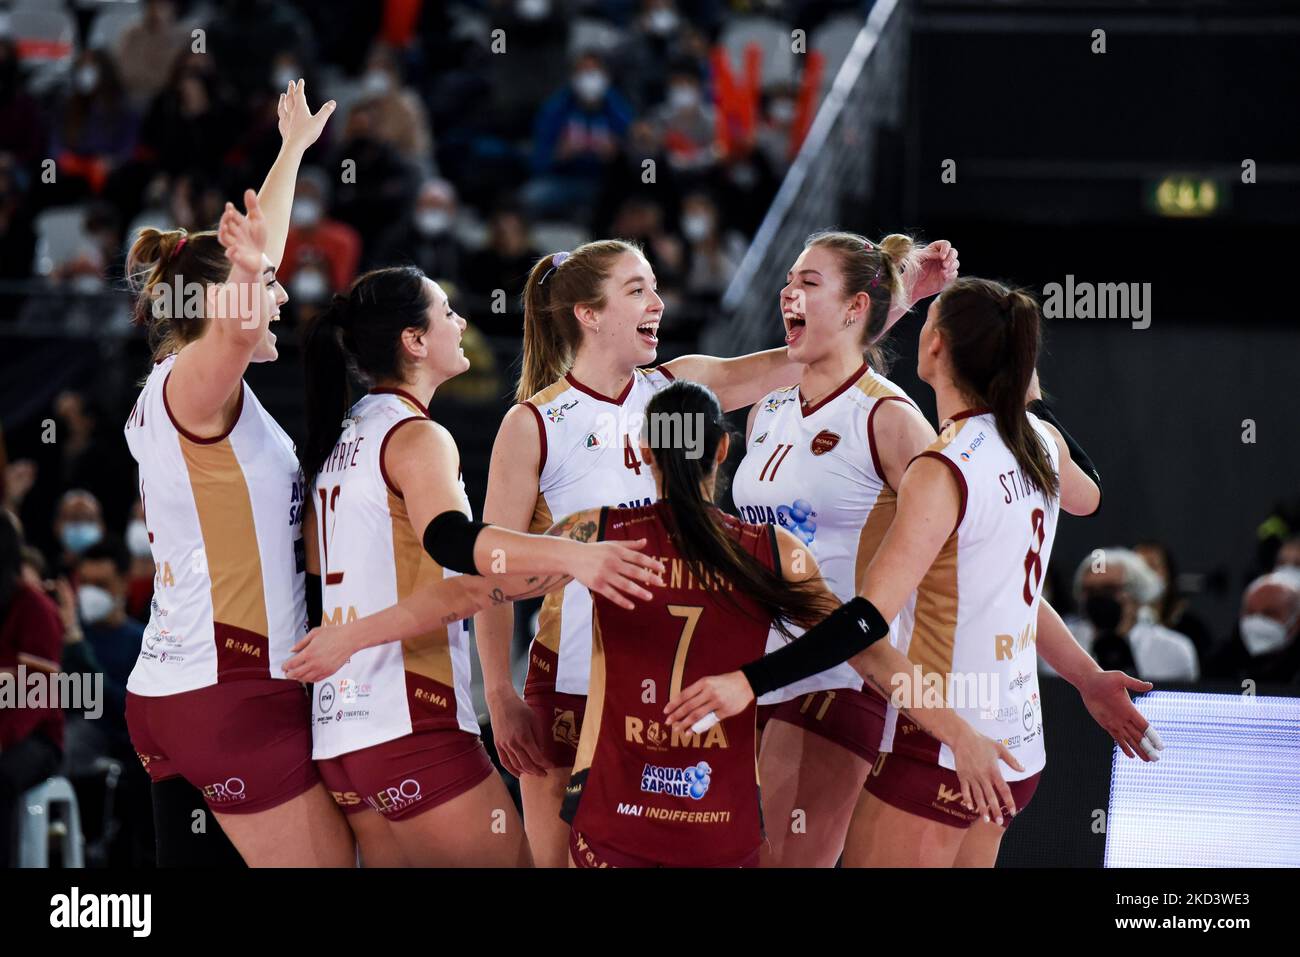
[575, 138]
[646, 56]
[155, 38]
[193, 120]
[426, 237]
[1170, 606]
[640, 169]
[98, 127]
[398, 116]
[1288, 554]
[17, 236]
[503, 265]
[1263, 645]
[101, 573]
[248, 34]
[22, 126]
[90, 454]
[96, 257]
[776, 126]
[1111, 585]
[714, 254]
[139, 583]
[78, 524]
[687, 124]
[31, 739]
[320, 254]
[378, 186]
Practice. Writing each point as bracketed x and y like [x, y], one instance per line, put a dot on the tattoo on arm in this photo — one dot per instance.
[584, 532]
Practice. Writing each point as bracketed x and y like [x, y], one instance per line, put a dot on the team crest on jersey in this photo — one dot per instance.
[592, 442]
[824, 441]
[556, 412]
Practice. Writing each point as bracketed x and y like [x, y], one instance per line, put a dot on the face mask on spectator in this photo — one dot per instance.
[590, 85]
[432, 222]
[781, 111]
[1262, 634]
[78, 536]
[87, 78]
[1103, 610]
[137, 539]
[532, 9]
[376, 82]
[683, 96]
[662, 21]
[94, 604]
[310, 285]
[697, 226]
[306, 212]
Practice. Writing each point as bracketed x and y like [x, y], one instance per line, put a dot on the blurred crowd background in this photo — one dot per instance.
[471, 162]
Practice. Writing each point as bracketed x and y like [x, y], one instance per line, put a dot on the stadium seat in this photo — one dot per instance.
[834, 39]
[772, 38]
[59, 236]
[50, 810]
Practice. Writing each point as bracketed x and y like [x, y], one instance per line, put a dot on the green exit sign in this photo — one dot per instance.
[1187, 195]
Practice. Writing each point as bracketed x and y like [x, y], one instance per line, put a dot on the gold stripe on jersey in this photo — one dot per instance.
[595, 699]
[948, 435]
[874, 387]
[550, 392]
[225, 511]
[552, 613]
[428, 654]
[873, 531]
[935, 631]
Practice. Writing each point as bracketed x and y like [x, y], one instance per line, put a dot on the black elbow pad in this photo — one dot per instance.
[851, 628]
[449, 540]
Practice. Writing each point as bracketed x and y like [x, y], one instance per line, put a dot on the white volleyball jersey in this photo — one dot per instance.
[815, 472]
[371, 558]
[225, 527]
[975, 626]
[590, 457]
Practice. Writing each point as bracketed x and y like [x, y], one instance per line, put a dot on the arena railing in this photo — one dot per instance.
[833, 171]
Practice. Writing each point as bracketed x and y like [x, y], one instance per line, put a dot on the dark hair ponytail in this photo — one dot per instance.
[993, 335]
[357, 334]
[697, 526]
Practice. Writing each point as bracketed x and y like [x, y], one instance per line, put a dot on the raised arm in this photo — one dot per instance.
[740, 381]
[205, 393]
[299, 129]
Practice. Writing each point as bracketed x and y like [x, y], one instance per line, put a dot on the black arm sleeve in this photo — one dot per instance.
[315, 600]
[449, 540]
[849, 629]
[1044, 412]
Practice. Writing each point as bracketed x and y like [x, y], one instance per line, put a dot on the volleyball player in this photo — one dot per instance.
[823, 460]
[590, 322]
[642, 794]
[222, 495]
[973, 531]
[395, 734]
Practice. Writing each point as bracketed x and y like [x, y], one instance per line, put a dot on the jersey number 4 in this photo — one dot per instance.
[630, 461]
[1034, 558]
